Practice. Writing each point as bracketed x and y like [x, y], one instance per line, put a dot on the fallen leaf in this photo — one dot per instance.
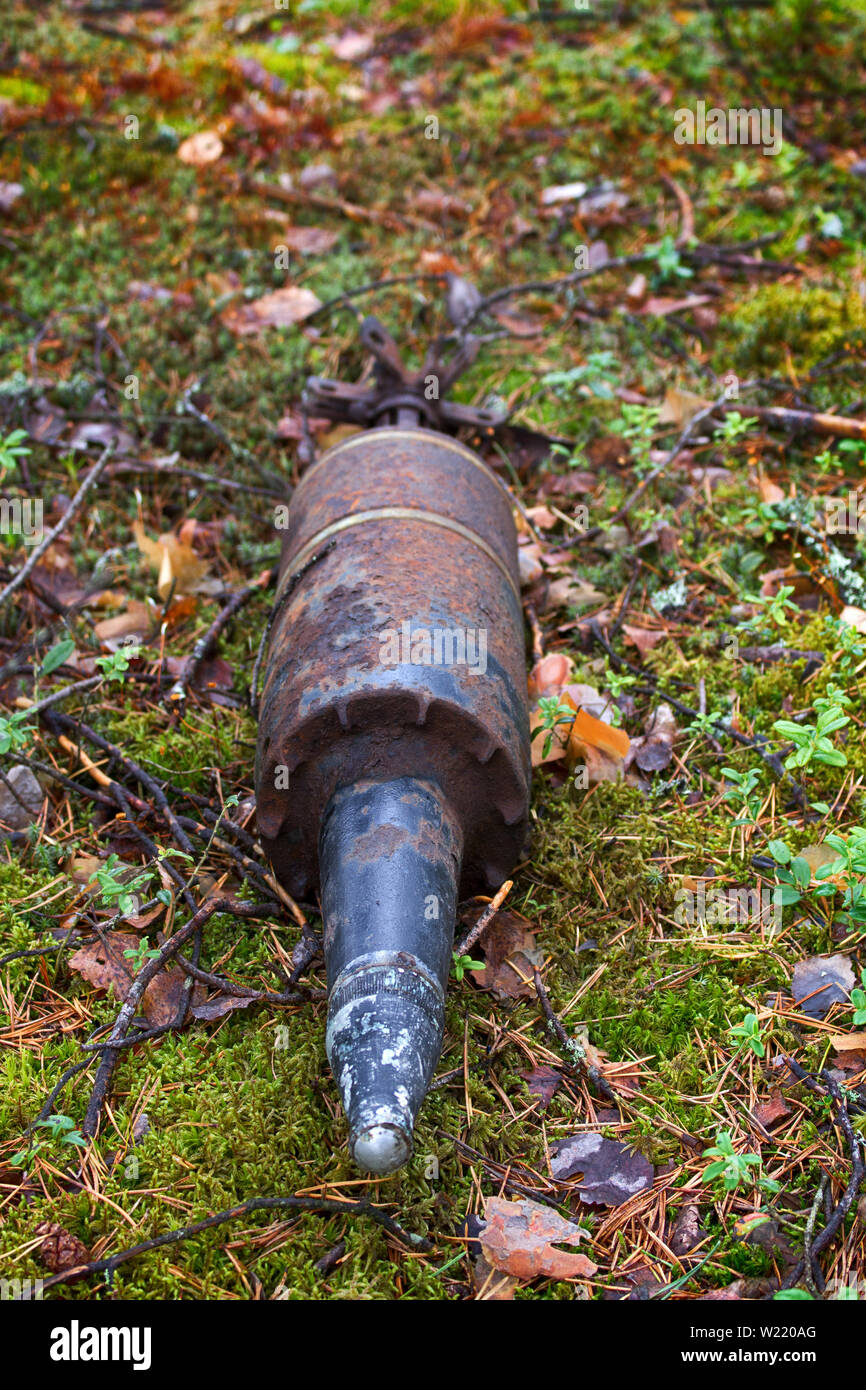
[549, 676]
[656, 748]
[659, 306]
[771, 1112]
[821, 981]
[136, 622]
[768, 491]
[543, 1082]
[680, 407]
[178, 566]
[351, 46]
[202, 148]
[572, 593]
[854, 617]
[435, 202]
[508, 938]
[529, 565]
[520, 1238]
[596, 747]
[103, 965]
[637, 290]
[611, 1172]
[218, 1007]
[739, 1290]
[309, 241]
[101, 432]
[587, 729]
[280, 309]
[644, 638]
[848, 1042]
[816, 856]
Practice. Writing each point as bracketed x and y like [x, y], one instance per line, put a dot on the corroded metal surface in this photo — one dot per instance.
[332, 712]
[392, 767]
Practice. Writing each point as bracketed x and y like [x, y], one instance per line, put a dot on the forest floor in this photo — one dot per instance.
[187, 190]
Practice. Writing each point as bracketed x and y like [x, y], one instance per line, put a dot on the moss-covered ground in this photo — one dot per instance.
[122, 267]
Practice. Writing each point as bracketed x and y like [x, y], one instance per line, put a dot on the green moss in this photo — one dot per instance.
[808, 321]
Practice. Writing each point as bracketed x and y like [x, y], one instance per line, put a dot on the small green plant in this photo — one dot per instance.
[748, 1034]
[792, 874]
[774, 610]
[706, 724]
[14, 733]
[464, 963]
[59, 1127]
[734, 427]
[11, 449]
[743, 794]
[115, 893]
[850, 867]
[553, 712]
[60, 652]
[139, 954]
[115, 666]
[669, 262]
[734, 1169]
[858, 999]
[811, 741]
[637, 424]
[596, 375]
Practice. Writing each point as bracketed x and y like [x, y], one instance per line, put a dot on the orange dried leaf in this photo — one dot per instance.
[521, 1238]
[586, 729]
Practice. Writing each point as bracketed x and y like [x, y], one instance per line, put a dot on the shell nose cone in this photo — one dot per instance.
[382, 1148]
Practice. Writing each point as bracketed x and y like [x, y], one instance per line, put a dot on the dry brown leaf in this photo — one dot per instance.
[309, 241]
[205, 147]
[597, 747]
[510, 954]
[848, 1042]
[103, 965]
[549, 676]
[520, 1238]
[644, 638]
[542, 1082]
[771, 1112]
[611, 1172]
[680, 407]
[637, 291]
[351, 46]
[177, 564]
[572, 593]
[280, 309]
[654, 750]
[136, 622]
[768, 491]
[529, 564]
[587, 729]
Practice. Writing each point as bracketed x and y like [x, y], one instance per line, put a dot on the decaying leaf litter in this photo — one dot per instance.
[195, 214]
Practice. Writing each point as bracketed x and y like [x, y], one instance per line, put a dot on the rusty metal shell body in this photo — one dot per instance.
[422, 540]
